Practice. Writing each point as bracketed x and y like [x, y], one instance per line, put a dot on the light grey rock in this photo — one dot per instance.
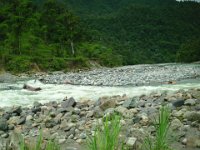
[131, 141]
[190, 102]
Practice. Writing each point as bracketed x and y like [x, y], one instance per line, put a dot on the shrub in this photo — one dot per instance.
[162, 127]
[106, 136]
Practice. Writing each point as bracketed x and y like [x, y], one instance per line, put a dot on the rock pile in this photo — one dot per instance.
[71, 122]
[128, 75]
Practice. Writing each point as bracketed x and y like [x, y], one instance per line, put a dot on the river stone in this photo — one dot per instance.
[68, 103]
[21, 121]
[108, 104]
[3, 125]
[178, 103]
[190, 102]
[131, 141]
[192, 116]
[37, 104]
[195, 94]
[17, 110]
[130, 103]
[50, 123]
[176, 124]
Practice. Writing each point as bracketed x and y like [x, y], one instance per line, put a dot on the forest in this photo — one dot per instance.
[49, 35]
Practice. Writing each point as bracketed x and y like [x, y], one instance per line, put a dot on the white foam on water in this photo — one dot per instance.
[51, 92]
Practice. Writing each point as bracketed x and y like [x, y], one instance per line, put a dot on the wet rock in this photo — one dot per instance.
[68, 103]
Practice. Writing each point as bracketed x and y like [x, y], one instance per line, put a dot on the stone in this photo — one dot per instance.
[36, 109]
[61, 141]
[190, 102]
[192, 116]
[21, 121]
[121, 110]
[3, 125]
[90, 114]
[5, 135]
[37, 104]
[29, 117]
[83, 135]
[109, 111]
[178, 103]
[131, 141]
[50, 123]
[17, 110]
[68, 103]
[130, 103]
[184, 141]
[108, 104]
[176, 124]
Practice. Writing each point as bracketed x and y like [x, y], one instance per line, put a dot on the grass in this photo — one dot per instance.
[39, 145]
[162, 127]
[106, 136]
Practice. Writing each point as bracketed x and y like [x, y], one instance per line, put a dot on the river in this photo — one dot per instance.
[13, 94]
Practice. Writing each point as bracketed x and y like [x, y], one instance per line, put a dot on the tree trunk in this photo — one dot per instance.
[72, 48]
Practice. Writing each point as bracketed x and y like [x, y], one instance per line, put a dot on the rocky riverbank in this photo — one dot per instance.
[70, 122]
[128, 75]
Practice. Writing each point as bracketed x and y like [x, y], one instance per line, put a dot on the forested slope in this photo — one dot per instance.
[65, 34]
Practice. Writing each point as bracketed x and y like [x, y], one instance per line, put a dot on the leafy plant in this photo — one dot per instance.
[162, 127]
[106, 136]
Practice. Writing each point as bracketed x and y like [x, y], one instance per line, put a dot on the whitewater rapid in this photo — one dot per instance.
[12, 94]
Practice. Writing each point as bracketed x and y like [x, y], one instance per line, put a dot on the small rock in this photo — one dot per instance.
[190, 102]
[131, 141]
[3, 125]
[130, 103]
[17, 110]
[90, 114]
[61, 141]
[176, 124]
[5, 135]
[21, 121]
[83, 135]
[184, 141]
[192, 116]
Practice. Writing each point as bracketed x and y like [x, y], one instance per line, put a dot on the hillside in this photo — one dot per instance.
[66, 34]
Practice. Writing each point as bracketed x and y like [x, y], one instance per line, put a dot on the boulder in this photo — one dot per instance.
[30, 88]
[68, 103]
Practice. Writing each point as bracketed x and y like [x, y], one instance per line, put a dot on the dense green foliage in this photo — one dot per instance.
[66, 34]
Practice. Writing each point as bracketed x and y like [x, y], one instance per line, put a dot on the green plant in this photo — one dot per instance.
[51, 145]
[162, 127]
[106, 136]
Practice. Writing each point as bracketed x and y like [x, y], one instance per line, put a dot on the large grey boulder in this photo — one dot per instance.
[68, 103]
